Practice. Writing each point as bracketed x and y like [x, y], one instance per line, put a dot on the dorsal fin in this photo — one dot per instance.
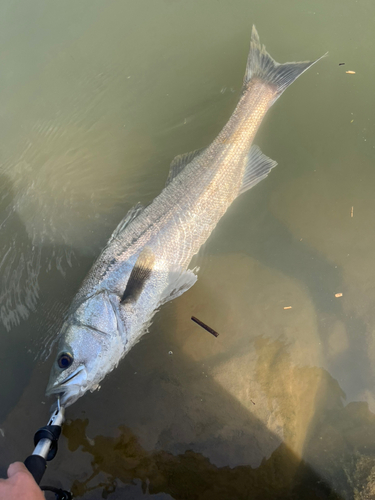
[180, 162]
[141, 272]
[258, 166]
[129, 217]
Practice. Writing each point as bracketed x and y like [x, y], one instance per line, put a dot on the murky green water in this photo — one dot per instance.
[96, 100]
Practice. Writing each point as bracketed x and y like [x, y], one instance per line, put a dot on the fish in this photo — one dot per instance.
[145, 262]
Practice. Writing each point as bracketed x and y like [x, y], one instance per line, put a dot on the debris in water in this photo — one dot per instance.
[90, 441]
[352, 212]
[341, 64]
[288, 307]
[170, 353]
[206, 327]
[338, 294]
[2, 433]
[350, 72]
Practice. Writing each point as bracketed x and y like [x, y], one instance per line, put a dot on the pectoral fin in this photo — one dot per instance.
[258, 166]
[139, 276]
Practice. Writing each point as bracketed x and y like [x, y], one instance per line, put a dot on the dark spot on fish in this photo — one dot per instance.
[139, 276]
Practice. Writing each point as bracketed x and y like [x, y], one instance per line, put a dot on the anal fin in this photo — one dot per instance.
[139, 276]
[258, 166]
[179, 282]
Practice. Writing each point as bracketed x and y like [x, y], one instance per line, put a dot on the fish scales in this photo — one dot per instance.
[145, 263]
[202, 204]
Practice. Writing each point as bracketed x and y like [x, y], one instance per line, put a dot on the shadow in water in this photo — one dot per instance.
[339, 450]
[190, 475]
[195, 418]
[269, 241]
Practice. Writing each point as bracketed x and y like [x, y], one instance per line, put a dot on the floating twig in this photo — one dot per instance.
[203, 325]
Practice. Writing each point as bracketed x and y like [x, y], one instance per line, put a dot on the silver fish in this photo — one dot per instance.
[145, 262]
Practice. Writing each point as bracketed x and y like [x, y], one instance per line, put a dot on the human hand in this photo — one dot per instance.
[20, 484]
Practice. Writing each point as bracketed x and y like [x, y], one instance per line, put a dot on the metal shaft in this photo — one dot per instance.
[57, 418]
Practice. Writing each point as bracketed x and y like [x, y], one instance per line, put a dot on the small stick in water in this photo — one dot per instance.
[203, 325]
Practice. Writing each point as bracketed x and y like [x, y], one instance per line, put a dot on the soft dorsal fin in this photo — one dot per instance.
[180, 162]
[258, 166]
[141, 272]
[129, 217]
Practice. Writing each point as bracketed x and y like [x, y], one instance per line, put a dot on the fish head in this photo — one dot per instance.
[89, 348]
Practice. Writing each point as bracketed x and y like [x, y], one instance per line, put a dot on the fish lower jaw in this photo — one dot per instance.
[67, 395]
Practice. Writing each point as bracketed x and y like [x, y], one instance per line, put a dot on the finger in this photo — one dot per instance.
[16, 467]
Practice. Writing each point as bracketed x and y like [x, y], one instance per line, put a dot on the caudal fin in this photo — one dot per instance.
[262, 66]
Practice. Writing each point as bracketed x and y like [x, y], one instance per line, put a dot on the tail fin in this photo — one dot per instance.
[262, 66]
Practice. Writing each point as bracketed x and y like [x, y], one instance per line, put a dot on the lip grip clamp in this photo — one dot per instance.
[51, 432]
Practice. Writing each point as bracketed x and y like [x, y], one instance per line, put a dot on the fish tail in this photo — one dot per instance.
[261, 66]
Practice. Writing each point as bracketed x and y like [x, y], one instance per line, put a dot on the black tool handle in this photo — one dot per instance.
[36, 466]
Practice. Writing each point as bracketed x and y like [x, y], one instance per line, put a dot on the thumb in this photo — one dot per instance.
[15, 468]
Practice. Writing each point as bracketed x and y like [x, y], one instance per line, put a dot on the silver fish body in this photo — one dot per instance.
[145, 262]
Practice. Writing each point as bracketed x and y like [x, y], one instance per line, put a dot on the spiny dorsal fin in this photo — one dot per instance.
[180, 162]
[258, 166]
[129, 217]
[141, 272]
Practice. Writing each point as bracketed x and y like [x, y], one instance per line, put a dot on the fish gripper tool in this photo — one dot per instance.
[45, 442]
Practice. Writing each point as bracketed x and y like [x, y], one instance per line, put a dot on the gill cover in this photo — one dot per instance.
[92, 341]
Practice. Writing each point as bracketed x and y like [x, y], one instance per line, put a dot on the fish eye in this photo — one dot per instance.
[65, 360]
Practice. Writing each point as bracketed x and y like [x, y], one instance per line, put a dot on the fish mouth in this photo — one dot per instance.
[72, 375]
[70, 388]
[60, 387]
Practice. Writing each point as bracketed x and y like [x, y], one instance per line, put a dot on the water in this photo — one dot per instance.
[97, 98]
